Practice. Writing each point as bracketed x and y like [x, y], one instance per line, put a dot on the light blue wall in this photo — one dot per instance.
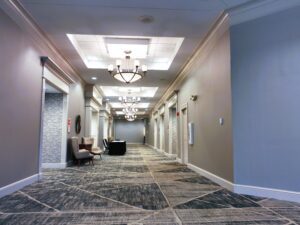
[266, 105]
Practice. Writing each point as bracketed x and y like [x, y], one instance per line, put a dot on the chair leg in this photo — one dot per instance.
[93, 161]
[100, 156]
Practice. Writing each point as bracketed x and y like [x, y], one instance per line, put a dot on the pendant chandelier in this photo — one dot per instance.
[130, 113]
[130, 117]
[129, 101]
[128, 73]
[130, 110]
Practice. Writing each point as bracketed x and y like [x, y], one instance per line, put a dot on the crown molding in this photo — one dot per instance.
[198, 54]
[258, 8]
[51, 65]
[16, 11]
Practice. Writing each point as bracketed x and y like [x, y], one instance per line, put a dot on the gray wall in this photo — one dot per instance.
[131, 132]
[149, 125]
[20, 98]
[266, 108]
[76, 107]
[209, 78]
[52, 128]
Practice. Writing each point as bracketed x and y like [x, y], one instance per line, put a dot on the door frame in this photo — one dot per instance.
[184, 147]
[155, 133]
[162, 132]
[49, 76]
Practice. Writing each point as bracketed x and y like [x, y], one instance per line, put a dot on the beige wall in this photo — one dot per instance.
[209, 78]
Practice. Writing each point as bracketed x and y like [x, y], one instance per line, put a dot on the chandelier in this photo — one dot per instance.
[130, 113]
[130, 117]
[129, 101]
[128, 73]
[130, 110]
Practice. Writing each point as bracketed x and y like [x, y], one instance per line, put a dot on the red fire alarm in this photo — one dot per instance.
[177, 113]
[69, 125]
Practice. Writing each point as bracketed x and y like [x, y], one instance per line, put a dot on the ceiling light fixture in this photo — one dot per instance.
[130, 117]
[94, 78]
[127, 74]
[130, 110]
[129, 101]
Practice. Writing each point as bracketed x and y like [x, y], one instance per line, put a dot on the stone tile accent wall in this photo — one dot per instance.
[52, 133]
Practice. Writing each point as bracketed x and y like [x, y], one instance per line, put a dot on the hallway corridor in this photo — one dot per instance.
[142, 187]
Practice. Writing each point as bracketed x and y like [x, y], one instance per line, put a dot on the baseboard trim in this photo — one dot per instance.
[267, 192]
[54, 165]
[219, 180]
[170, 155]
[179, 160]
[150, 146]
[247, 189]
[8, 189]
[156, 149]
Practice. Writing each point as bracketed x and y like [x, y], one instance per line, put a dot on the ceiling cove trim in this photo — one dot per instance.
[15, 10]
[258, 8]
[187, 67]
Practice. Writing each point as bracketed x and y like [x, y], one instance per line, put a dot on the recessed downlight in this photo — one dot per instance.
[94, 78]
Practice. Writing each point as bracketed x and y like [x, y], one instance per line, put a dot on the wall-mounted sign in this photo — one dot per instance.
[191, 133]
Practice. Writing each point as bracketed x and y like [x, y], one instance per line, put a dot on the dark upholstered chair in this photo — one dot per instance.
[105, 144]
[80, 154]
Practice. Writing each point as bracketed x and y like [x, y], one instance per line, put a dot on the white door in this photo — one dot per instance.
[184, 136]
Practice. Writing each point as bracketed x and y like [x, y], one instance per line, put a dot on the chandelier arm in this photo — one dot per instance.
[118, 68]
[134, 73]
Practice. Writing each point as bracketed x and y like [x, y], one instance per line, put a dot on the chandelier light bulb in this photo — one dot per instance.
[144, 68]
[136, 63]
[110, 68]
[118, 62]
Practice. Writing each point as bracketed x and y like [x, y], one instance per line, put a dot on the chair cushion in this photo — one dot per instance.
[83, 154]
[97, 151]
[88, 140]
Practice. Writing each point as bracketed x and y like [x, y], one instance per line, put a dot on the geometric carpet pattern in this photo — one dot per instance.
[142, 187]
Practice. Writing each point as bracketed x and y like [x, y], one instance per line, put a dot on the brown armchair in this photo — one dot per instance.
[93, 150]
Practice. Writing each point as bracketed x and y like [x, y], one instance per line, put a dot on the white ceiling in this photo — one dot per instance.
[189, 19]
[117, 91]
[99, 51]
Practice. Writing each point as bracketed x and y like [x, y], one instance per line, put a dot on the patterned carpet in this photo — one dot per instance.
[142, 187]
